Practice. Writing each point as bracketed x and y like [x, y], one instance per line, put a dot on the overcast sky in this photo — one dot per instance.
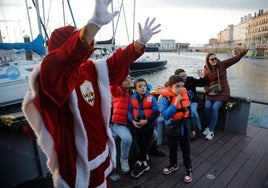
[193, 21]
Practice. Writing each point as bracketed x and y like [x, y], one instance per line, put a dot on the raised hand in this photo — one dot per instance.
[147, 31]
[101, 15]
[200, 73]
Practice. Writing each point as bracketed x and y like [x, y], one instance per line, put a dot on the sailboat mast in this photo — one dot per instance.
[69, 5]
[134, 15]
[43, 10]
[63, 13]
[29, 21]
[38, 16]
[1, 39]
[112, 7]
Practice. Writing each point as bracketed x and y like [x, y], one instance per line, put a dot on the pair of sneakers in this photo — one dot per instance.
[209, 134]
[188, 175]
[139, 169]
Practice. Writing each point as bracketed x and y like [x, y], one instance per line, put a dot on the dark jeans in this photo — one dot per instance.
[184, 142]
[142, 137]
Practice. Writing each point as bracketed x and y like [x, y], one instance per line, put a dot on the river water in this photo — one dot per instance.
[248, 79]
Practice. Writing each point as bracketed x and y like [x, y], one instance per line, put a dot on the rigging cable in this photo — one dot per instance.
[71, 12]
[42, 24]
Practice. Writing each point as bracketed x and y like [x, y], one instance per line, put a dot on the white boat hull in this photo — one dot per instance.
[14, 82]
[13, 92]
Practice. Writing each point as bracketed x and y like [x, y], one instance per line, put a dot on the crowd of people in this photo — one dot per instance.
[77, 107]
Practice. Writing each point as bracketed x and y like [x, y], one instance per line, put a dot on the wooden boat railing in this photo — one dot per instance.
[23, 160]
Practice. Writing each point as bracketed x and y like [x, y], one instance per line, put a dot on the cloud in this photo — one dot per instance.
[184, 20]
[254, 5]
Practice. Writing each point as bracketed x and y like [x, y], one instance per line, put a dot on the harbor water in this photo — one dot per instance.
[248, 79]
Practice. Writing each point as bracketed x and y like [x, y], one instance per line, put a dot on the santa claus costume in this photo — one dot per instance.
[68, 107]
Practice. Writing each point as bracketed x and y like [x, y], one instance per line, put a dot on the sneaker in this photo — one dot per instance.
[206, 131]
[170, 168]
[124, 165]
[139, 169]
[210, 135]
[188, 177]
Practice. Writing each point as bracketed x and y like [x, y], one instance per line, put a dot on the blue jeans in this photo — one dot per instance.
[211, 113]
[123, 132]
[195, 115]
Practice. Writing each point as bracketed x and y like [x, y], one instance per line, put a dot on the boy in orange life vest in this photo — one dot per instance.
[121, 95]
[175, 109]
[142, 112]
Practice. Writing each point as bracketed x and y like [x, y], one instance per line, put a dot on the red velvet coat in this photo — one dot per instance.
[69, 106]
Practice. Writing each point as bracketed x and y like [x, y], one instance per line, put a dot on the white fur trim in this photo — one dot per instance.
[106, 103]
[107, 172]
[81, 142]
[99, 159]
[46, 142]
[36, 121]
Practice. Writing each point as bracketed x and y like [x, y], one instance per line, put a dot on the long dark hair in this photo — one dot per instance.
[208, 65]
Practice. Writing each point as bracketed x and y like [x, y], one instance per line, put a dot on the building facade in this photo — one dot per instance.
[257, 30]
[252, 31]
[167, 44]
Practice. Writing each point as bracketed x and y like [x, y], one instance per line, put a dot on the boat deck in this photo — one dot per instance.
[229, 160]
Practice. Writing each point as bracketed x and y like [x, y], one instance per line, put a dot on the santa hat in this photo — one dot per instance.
[59, 36]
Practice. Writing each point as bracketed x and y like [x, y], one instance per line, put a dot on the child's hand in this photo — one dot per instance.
[192, 134]
[177, 99]
[200, 73]
[136, 124]
[143, 122]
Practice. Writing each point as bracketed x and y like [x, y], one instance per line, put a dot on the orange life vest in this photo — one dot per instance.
[146, 106]
[183, 108]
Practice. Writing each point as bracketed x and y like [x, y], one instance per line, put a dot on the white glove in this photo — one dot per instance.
[147, 31]
[101, 16]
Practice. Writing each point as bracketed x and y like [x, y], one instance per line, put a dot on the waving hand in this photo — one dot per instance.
[147, 31]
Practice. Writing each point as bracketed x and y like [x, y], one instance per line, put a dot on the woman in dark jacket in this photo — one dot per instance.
[215, 70]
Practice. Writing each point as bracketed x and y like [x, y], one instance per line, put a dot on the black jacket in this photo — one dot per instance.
[192, 83]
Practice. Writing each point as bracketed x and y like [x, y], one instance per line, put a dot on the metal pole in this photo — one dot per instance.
[1, 40]
[29, 20]
[40, 21]
[38, 16]
[71, 12]
[134, 15]
[43, 8]
[63, 12]
[112, 7]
